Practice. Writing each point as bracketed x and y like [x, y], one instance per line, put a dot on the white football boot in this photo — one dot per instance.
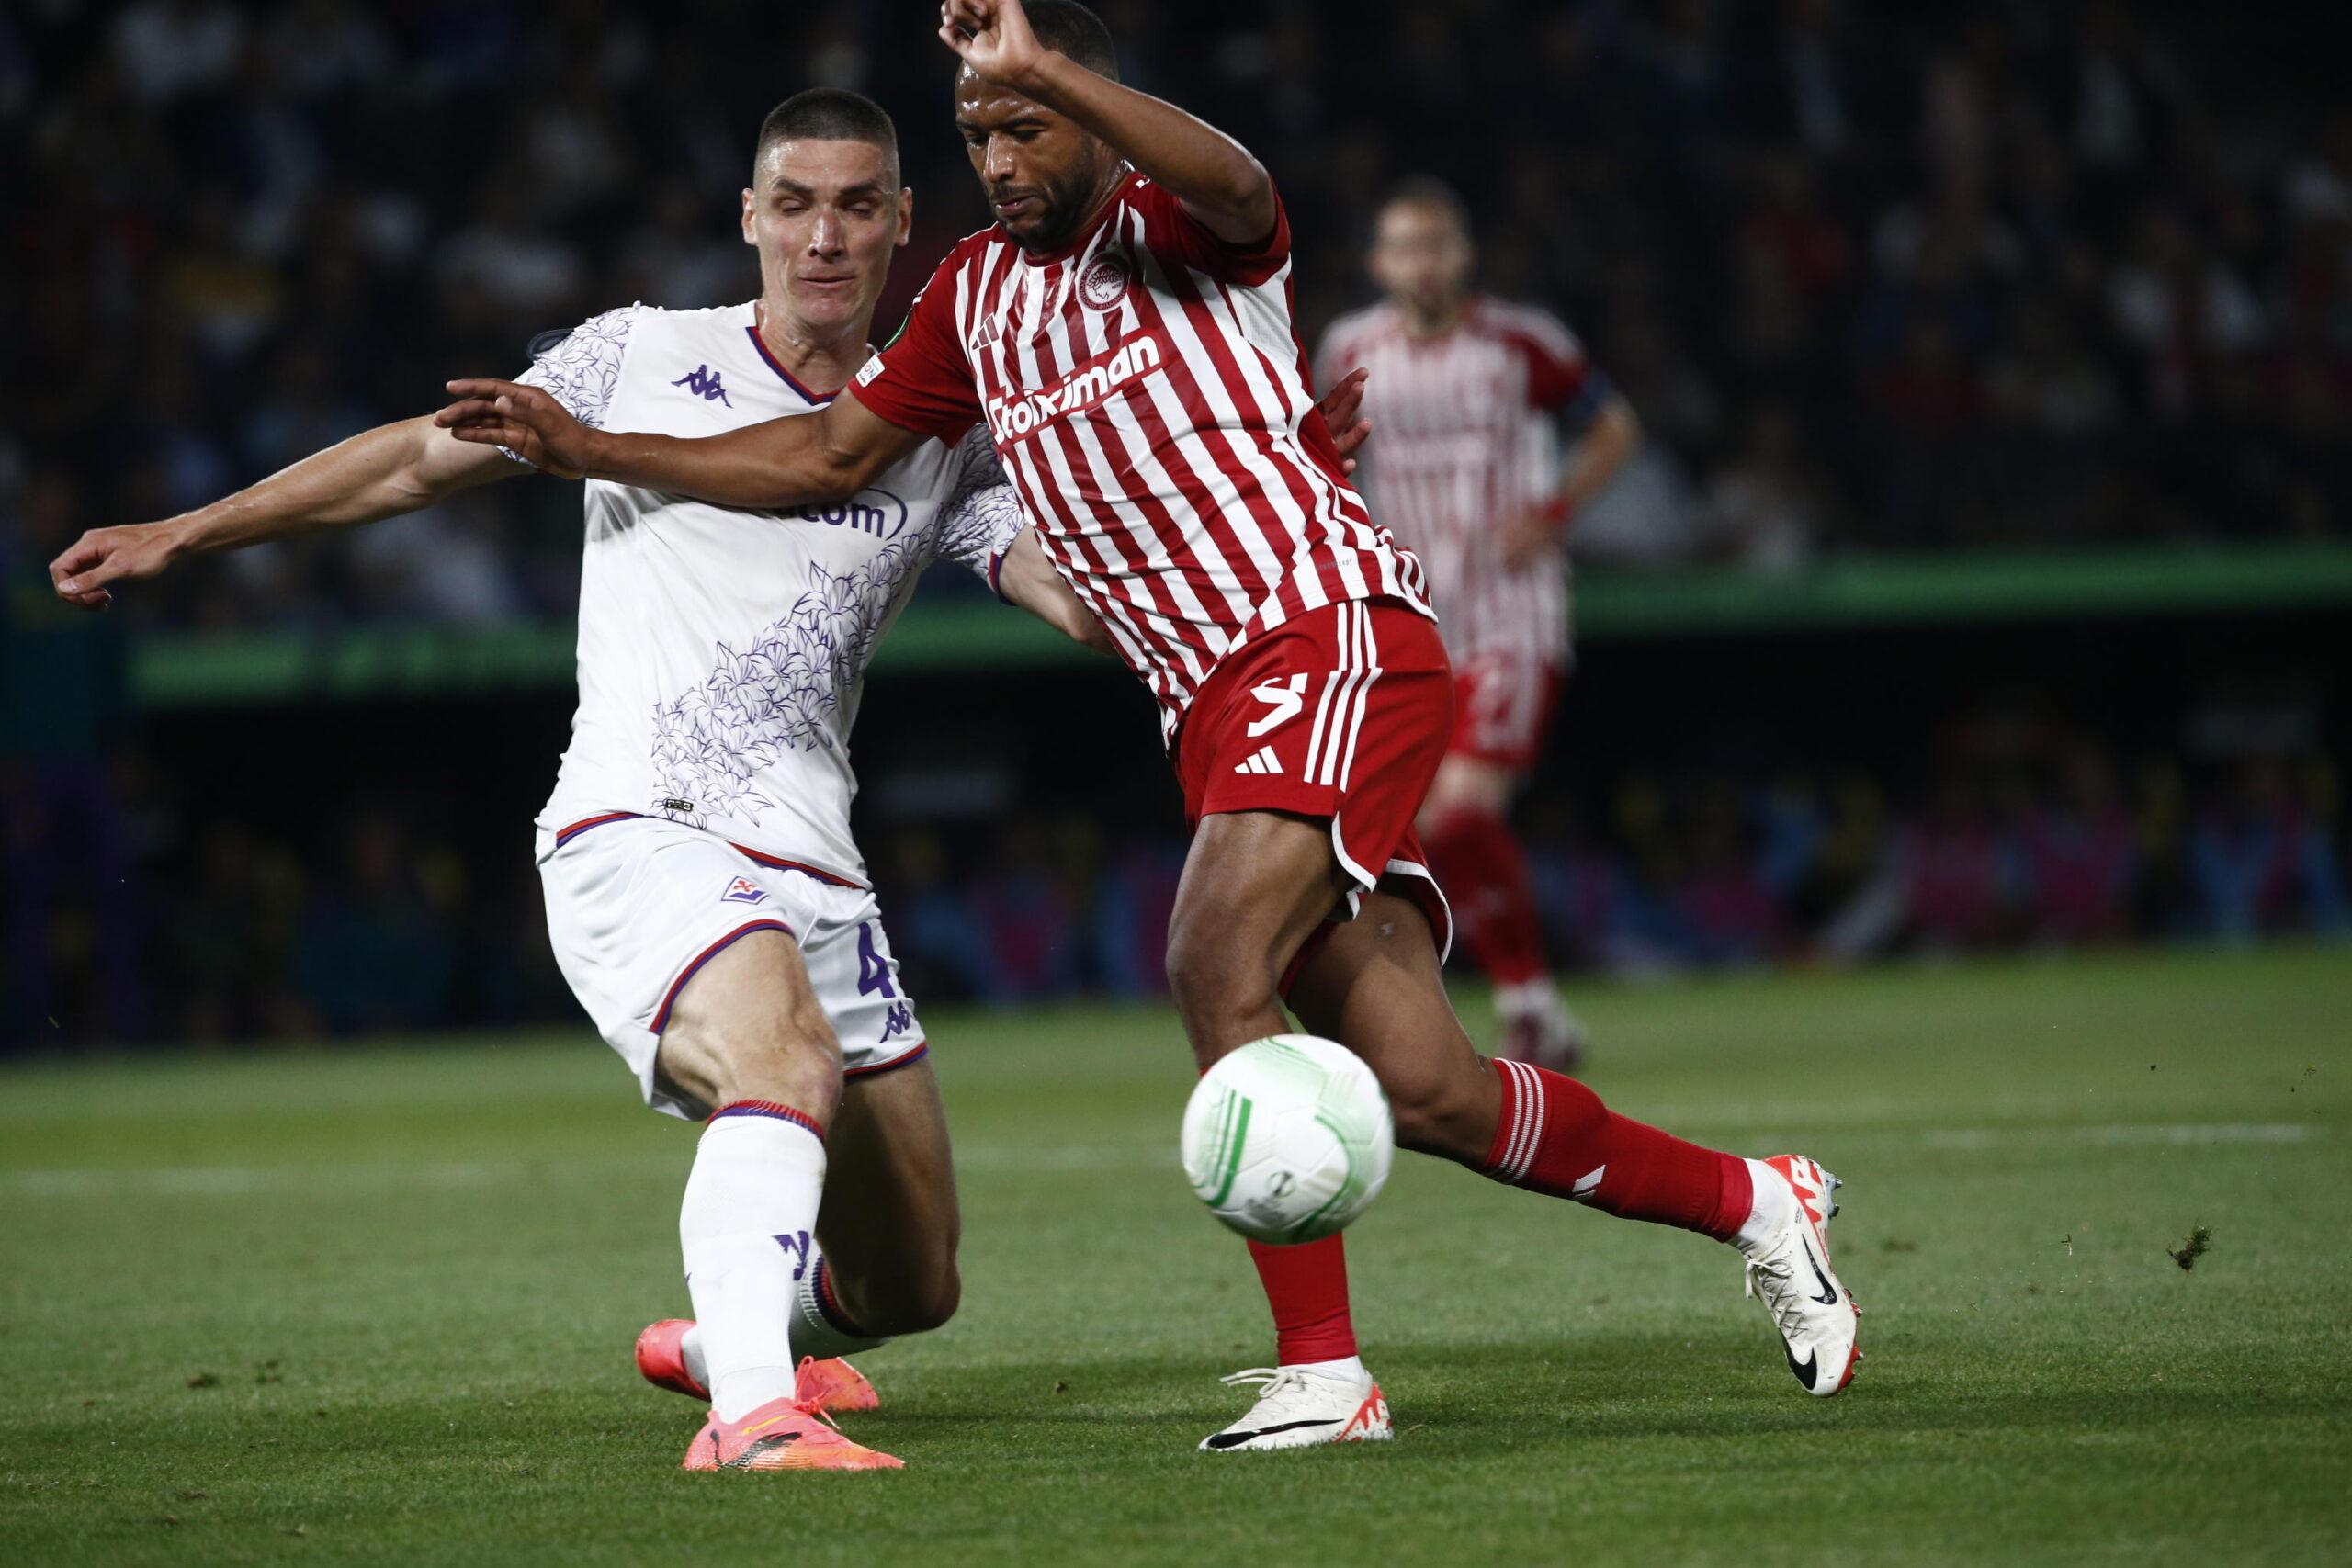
[1303, 1406]
[1788, 1266]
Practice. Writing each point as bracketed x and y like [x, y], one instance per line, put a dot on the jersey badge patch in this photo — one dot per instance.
[1104, 279]
[743, 890]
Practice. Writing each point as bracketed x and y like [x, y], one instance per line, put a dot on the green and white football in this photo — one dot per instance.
[1288, 1138]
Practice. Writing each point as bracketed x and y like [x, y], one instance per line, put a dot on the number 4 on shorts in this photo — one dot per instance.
[873, 966]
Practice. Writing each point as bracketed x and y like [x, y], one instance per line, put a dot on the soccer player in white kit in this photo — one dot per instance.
[704, 895]
[1466, 391]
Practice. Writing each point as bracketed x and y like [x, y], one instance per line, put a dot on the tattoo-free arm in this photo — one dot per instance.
[798, 460]
[1214, 175]
[403, 466]
[1027, 578]
[1608, 443]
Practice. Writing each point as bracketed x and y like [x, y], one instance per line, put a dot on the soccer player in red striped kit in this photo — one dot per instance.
[1463, 391]
[1125, 332]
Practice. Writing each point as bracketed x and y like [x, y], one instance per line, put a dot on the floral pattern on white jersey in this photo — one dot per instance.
[584, 371]
[782, 691]
[978, 525]
[786, 689]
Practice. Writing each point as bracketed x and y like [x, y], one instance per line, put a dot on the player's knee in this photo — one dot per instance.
[790, 1060]
[1213, 977]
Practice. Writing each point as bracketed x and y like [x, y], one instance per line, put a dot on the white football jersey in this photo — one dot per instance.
[722, 651]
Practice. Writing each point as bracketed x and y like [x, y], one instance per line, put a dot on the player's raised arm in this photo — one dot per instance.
[801, 460]
[403, 466]
[1213, 175]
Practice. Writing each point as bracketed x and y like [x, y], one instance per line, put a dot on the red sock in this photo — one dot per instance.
[1480, 862]
[1307, 1286]
[1556, 1137]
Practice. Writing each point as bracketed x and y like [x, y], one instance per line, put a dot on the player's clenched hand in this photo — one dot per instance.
[112, 555]
[1340, 409]
[524, 420]
[993, 37]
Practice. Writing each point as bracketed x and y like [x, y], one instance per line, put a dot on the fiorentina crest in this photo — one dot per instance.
[743, 890]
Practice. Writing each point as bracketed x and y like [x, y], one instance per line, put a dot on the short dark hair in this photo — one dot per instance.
[1429, 191]
[828, 114]
[1069, 28]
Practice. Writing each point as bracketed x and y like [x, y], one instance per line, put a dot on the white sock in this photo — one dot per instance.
[745, 1229]
[1768, 1209]
[1349, 1367]
[814, 1331]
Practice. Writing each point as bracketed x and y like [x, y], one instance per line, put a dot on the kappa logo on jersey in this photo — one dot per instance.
[1104, 279]
[743, 890]
[1283, 699]
[703, 382]
[897, 1022]
[1082, 388]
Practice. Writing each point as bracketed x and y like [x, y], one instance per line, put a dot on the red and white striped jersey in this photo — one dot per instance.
[1146, 391]
[1461, 441]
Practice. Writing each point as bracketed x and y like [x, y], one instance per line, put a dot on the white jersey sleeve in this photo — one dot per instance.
[980, 518]
[583, 372]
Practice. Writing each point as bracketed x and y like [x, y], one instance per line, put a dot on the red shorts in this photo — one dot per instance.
[1502, 705]
[1343, 714]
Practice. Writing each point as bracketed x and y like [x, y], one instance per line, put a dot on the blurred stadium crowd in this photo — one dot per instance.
[1873, 275]
[1875, 278]
[2024, 842]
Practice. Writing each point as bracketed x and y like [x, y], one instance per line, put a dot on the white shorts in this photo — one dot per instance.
[636, 904]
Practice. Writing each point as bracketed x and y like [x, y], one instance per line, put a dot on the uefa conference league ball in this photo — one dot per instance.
[1288, 1138]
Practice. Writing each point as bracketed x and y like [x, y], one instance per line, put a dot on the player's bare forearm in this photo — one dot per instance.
[1027, 578]
[776, 464]
[1214, 175]
[1611, 442]
[1210, 173]
[379, 473]
[798, 460]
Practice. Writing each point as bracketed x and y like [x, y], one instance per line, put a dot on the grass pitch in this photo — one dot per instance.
[375, 1305]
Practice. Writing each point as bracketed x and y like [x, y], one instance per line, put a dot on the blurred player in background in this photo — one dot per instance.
[1124, 334]
[1464, 392]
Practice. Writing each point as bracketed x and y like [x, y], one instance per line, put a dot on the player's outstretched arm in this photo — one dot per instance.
[799, 460]
[1214, 175]
[403, 466]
